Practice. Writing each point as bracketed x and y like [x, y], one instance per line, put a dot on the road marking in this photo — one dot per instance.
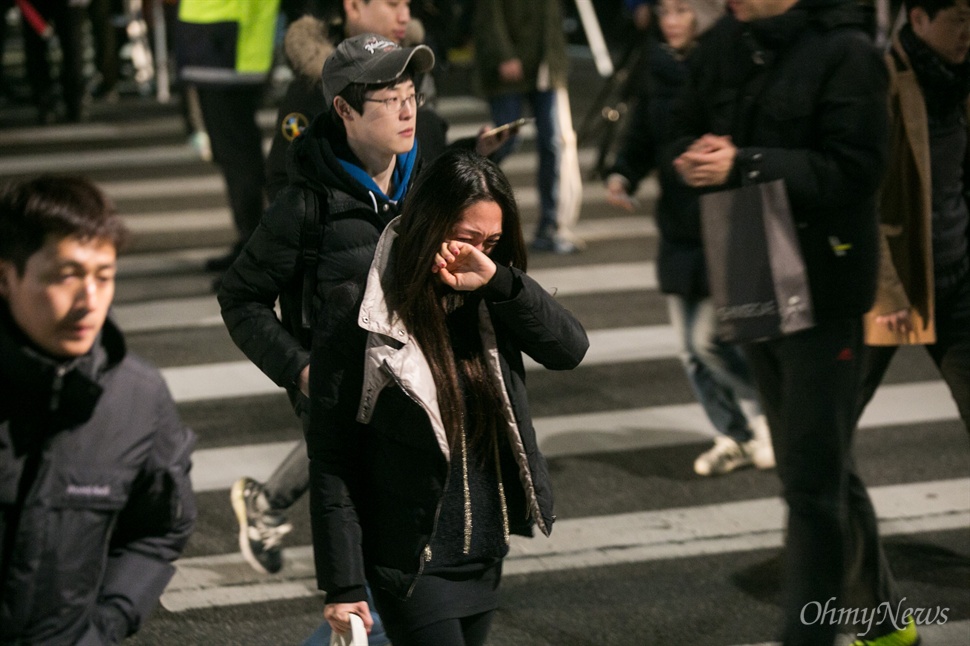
[235, 379]
[590, 433]
[637, 537]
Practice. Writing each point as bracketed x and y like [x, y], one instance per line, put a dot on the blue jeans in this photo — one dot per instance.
[718, 372]
[508, 107]
[377, 636]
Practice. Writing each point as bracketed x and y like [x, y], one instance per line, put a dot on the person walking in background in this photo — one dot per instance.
[68, 20]
[225, 50]
[717, 371]
[95, 497]
[796, 91]
[423, 457]
[923, 295]
[350, 171]
[520, 54]
[309, 41]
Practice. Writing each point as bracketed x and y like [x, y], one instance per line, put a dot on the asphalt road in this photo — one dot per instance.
[645, 551]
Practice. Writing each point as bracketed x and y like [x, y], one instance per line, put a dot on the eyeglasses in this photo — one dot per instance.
[395, 104]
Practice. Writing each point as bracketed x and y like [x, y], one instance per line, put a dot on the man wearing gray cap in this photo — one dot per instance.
[348, 173]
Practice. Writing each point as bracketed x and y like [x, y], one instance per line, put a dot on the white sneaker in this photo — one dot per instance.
[760, 447]
[724, 457]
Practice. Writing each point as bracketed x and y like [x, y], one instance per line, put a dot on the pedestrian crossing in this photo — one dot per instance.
[620, 432]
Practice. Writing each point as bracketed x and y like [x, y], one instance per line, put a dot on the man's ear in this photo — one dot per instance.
[7, 273]
[351, 8]
[918, 18]
[344, 111]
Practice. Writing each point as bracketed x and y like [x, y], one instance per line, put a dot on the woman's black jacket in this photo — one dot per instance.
[375, 486]
[680, 258]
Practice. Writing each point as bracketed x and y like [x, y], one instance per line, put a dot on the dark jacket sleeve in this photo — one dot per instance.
[268, 264]
[637, 153]
[334, 448]
[152, 529]
[540, 327]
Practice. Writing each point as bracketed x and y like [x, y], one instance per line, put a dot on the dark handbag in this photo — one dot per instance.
[755, 269]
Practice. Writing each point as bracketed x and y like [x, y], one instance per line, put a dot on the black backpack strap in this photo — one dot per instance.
[311, 237]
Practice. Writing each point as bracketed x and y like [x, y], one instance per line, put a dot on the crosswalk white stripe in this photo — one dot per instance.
[235, 379]
[203, 311]
[595, 541]
[609, 431]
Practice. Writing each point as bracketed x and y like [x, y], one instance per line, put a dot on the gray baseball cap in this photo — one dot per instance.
[369, 58]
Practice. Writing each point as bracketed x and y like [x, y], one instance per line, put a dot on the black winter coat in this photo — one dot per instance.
[95, 497]
[803, 96]
[271, 264]
[680, 259]
[376, 483]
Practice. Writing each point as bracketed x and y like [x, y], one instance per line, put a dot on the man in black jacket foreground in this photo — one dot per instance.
[95, 497]
[795, 91]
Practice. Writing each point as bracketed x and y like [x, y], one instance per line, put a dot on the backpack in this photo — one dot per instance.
[311, 235]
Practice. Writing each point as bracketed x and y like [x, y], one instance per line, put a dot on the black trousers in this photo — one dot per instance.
[808, 383]
[68, 23]
[229, 113]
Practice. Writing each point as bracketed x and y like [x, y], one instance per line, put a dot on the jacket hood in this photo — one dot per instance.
[309, 40]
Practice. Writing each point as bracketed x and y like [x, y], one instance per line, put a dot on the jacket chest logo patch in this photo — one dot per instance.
[293, 125]
[88, 491]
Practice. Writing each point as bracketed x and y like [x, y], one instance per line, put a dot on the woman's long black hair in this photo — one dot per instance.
[453, 182]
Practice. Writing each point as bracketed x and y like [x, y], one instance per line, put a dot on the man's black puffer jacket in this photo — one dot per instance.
[804, 101]
[271, 265]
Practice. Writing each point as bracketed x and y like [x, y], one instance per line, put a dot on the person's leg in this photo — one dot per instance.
[69, 22]
[289, 480]
[230, 118]
[714, 396]
[808, 382]
[464, 631]
[951, 352]
[37, 67]
[505, 108]
[105, 45]
[875, 362]
[549, 144]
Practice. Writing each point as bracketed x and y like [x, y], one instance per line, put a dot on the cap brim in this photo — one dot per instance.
[391, 66]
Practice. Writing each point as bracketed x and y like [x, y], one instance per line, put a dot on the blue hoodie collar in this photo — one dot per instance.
[400, 181]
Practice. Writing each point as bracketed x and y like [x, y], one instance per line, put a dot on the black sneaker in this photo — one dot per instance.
[260, 533]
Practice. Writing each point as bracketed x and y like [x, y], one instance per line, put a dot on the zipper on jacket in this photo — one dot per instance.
[57, 387]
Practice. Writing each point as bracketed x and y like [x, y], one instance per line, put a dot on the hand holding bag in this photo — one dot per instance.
[356, 636]
[756, 273]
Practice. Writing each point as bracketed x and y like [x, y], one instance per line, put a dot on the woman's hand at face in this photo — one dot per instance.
[338, 615]
[462, 267]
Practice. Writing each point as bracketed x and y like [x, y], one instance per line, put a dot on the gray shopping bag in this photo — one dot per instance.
[755, 269]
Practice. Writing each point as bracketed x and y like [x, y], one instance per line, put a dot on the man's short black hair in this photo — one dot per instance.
[931, 7]
[355, 93]
[35, 209]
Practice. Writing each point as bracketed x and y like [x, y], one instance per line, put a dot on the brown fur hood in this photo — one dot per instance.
[308, 42]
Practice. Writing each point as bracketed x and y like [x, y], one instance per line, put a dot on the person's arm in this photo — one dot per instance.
[151, 530]
[333, 445]
[540, 326]
[492, 42]
[269, 262]
[848, 153]
[537, 323]
[636, 158]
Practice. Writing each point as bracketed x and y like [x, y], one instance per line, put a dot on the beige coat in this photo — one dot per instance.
[906, 253]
